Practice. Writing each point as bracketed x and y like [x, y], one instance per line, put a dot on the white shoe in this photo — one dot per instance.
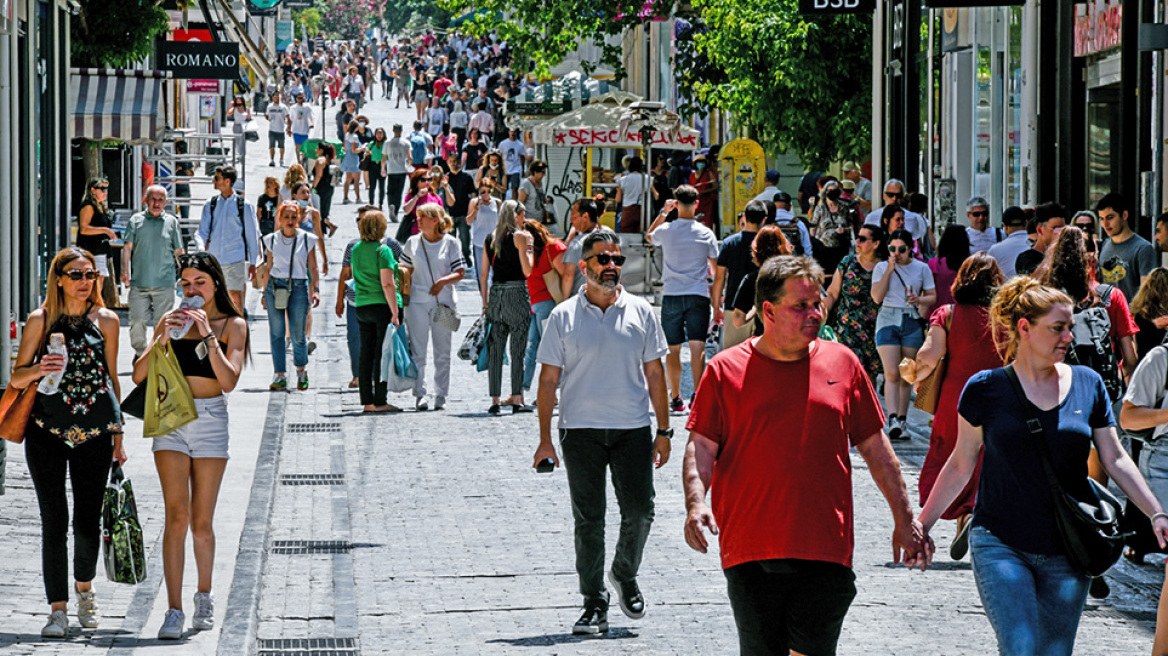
[87, 615]
[894, 428]
[204, 617]
[172, 625]
[58, 626]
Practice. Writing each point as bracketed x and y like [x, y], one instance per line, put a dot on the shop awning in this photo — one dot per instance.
[599, 125]
[117, 105]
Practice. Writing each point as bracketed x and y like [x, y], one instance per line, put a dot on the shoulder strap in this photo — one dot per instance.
[211, 228]
[242, 227]
[1037, 433]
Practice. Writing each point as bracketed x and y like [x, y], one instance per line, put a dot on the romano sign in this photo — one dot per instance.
[198, 60]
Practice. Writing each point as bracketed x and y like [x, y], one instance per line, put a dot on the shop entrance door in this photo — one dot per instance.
[1103, 132]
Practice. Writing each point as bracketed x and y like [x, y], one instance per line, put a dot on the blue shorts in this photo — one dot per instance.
[898, 327]
[299, 139]
[685, 318]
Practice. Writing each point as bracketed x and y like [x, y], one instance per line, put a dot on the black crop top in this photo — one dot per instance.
[506, 267]
[188, 359]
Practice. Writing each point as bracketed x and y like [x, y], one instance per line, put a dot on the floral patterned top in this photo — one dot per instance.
[855, 313]
[85, 405]
[825, 221]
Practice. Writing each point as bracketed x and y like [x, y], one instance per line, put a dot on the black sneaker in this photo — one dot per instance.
[676, 404]
[1099, 588]
[593, 621]
[628, 595]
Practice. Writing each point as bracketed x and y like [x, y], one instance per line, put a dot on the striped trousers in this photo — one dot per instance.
[509, 313]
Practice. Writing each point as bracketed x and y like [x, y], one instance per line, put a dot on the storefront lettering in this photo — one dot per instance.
[612, 137]
[176, 59]
[1098, 27]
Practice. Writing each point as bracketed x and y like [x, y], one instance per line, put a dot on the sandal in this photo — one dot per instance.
[494, 409]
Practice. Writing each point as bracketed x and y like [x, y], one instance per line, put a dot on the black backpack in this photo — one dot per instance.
[790, 230]
[1092, 345]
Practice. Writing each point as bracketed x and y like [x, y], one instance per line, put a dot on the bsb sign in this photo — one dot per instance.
[813, 7]
[198, 60]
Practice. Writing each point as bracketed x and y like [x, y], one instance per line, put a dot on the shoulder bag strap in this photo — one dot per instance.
[211, 228]
[426, 254]
[1037, 433]
[242, 227]
[292, 258]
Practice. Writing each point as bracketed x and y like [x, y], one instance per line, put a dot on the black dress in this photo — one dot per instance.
[96, 244]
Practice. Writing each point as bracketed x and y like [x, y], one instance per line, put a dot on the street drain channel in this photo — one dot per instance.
[298, 547]
[312, 479]
[314, 427]
[308, 647]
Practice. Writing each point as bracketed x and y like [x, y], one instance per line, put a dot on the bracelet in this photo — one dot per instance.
[1159, 514]
[210, 337]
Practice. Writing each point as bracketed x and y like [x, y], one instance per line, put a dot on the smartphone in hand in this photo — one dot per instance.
[545, 466]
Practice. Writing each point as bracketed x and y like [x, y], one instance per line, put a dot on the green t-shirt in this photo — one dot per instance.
[375, 151]
[155, 240]
[367, 260]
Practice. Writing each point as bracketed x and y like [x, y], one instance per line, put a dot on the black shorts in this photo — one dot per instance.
[685, 318]
[275, 139]
[784, 605]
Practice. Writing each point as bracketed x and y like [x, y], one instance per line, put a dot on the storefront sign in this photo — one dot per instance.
[937, 4]
[192, 59]
[283, 35]
[202, 86]
[611, 138]
[815, 7]
[1098, 27]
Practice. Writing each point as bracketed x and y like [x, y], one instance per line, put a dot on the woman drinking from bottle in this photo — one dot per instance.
[191, 460]
[76, 424]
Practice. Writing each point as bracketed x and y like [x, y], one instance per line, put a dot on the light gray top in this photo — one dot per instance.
[688, 247]
[397, 156]
[602, 356]
[1146, 389]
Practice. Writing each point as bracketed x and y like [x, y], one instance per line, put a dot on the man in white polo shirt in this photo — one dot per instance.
[604, 348]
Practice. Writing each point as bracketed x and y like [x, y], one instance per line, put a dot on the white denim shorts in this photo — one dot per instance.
[205, 437]
[235, 274]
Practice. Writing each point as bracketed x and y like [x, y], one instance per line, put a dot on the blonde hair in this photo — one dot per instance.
[295, 174]
[508, 223]
[1152, 299]
[372, 226]
[1022, 297]
[54, 304]
[435, 211]
[271, 181]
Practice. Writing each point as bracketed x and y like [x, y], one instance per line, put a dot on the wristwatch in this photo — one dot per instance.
[667, 433]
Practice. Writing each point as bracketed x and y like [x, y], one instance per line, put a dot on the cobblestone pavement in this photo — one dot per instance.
[429, 533]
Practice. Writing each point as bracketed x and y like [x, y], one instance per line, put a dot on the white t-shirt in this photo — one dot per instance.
[916, 276]
[632, 187]
[435, 117]
[276, 117]
[485, 221]
[282, 247]
[301, 118]
[512, 155]
[1146, 389]
[688, 247]
[431, 262]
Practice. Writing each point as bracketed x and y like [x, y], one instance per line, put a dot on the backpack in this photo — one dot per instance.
[242, 228]
[418, 147]
[790, 230]
[1092, 346]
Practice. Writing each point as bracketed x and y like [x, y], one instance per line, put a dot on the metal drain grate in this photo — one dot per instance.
[308, 647]
[297, 547]
[314, 427]
[1116, 614]
[312, 479]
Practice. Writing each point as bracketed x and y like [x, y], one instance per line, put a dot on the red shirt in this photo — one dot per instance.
[782, 482]
[536, 287]
[441, 85]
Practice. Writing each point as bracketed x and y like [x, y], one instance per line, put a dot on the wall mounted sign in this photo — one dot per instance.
[1098, 27]
[817, 7]
[193, 59]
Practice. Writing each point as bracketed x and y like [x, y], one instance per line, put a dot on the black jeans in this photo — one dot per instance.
[628, 452]
[376, 180]
[89, 467]
[787, 604]
[373, 321]
[326, 200]
[463, 231]
[396, 183]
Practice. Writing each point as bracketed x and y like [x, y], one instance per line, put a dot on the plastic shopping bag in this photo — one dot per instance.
[481, 359]
[393, 382]
[403, 357]
[169, 403]
[121, 533]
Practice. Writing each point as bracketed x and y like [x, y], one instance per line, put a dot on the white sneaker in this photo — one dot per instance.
[204, 617]
[87, 615]
[894, 428]
[172, 625]
[58, 626]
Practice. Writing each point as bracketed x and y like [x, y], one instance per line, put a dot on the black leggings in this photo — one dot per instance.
[89, 467]
[376, 180]
[372, 322]
[326, 200]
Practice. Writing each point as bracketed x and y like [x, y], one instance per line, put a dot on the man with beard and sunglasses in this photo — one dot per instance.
[604, 346]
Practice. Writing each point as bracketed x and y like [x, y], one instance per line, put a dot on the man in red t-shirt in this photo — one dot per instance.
[770, 431]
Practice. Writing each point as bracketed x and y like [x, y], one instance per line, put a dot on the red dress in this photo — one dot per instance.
[969, 349]
[707, 186]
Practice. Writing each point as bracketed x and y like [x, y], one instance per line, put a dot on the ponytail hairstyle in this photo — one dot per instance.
[1022, 297]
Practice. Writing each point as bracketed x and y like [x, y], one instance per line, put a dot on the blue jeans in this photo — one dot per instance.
[353, 334]
[534, 335]
[1033, 601]
[292, 320]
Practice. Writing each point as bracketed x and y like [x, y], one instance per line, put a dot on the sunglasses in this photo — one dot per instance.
[894, 195]
[1085, 226]
[862, 239]
[78, 276]
[101, 188]
[898, 249]
[978, 215]
[603, 259]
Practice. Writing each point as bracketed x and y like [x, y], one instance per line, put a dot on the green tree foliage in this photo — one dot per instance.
[400, 14]
[115, 34]
[310, 18]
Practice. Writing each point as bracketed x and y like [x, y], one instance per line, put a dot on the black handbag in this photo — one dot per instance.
[135, 402]
[1089, 529]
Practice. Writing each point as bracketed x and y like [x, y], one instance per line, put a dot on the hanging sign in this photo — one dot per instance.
[1098, 27]
[815, 7]
[192, 59]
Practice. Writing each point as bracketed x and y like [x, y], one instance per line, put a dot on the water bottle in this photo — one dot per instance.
[50, 382]
[188, 302]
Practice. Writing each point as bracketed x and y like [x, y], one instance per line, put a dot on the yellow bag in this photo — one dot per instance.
[169, 403]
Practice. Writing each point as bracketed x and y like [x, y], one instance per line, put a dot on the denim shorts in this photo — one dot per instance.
[1154, 468]
[899, 327]
[685, 318]
[205, 437]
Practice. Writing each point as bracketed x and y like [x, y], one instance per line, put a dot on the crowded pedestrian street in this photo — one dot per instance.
[428, 532]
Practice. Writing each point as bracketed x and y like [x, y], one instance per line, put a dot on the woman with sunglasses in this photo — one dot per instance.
[904, 288]
[506, 303]
[192, 459]
[290, 263]
[95, 230]
[482, 216]
[1087, 221]
[422, 184]
[77, 428]
[850, 295]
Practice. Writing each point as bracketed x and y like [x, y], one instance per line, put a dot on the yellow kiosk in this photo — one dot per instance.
[742, 173]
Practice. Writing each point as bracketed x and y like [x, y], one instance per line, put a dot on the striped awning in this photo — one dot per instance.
[117, 105]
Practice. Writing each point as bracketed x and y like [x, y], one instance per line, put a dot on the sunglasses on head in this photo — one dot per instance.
[77, 276]
[603, 259]
[898, 249]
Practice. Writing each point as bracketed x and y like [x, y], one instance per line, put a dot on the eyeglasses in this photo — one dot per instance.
[979, 215]
[898, 249]
[603, 259]
[78, 276]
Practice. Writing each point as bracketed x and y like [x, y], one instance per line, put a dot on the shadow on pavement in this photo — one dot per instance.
[617, 633]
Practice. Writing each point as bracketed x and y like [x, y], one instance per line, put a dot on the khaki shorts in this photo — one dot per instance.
[236, 275]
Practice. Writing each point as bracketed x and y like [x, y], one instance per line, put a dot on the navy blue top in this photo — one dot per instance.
[1013, 497]
[736, 257]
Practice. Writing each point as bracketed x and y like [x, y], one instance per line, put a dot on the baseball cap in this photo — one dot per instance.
[772, 175]
[848, 185]
[1014, 216]
[850, 166]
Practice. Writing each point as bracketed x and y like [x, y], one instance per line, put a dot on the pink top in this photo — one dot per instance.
[943, 277]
